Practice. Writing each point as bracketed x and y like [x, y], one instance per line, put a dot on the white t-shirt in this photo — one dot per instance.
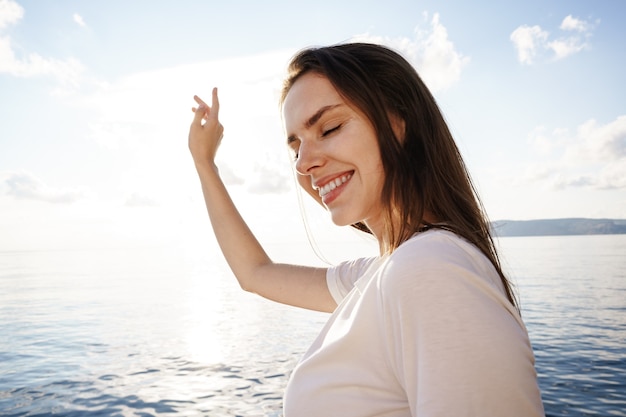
[425, 331]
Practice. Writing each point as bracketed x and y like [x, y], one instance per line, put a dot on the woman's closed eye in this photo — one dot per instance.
[331, 130]
[295, 151]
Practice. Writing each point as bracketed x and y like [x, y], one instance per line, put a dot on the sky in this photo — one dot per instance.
[96, 97]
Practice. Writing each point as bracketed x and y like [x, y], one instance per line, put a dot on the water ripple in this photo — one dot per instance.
[104, 334]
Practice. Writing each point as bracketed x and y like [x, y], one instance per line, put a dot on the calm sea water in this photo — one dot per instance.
[167, 331]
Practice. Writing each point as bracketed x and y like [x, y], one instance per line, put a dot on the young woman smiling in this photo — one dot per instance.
[430, 327]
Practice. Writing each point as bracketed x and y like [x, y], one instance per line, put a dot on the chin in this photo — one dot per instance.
[342, 220]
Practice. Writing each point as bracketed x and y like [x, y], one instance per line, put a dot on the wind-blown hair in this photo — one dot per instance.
[424, 170]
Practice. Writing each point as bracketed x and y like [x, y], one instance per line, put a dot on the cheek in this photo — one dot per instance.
[373, 167]
[375, 179]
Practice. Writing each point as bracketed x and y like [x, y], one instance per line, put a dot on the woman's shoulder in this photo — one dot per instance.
[437, 258]
[435, 246]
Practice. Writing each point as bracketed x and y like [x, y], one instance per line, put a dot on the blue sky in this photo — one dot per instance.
[95, 100]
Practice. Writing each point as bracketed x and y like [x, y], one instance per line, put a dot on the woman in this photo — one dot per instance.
[431, 326]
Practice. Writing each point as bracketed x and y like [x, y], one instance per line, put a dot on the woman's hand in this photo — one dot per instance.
[206, 131]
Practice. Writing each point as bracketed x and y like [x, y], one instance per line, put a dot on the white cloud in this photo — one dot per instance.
[10, 13]
[533, 43]
[545, 143]
[272, 178]
[79, 20]
[67, 71]
[593, 157]
[599, 143]
[528, 40]
[228, 175]
[572, 23]
[140, 200]
[26, 186]
[431, 52]
[565, 47]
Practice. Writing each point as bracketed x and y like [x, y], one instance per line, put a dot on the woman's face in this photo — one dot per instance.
[336, 152]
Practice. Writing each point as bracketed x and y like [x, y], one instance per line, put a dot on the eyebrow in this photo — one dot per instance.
[314, 119]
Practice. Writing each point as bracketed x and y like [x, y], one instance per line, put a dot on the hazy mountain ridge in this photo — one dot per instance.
[559, 227]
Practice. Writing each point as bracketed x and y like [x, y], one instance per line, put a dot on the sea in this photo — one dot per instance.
[163, 331]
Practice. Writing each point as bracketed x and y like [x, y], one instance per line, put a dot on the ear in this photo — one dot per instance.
[398, 125]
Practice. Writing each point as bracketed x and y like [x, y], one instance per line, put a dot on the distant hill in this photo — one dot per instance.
[558, 227]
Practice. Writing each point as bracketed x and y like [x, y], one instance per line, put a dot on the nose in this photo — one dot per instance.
[310, 157]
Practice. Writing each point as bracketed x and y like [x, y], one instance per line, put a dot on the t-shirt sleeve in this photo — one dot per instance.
[342, 277]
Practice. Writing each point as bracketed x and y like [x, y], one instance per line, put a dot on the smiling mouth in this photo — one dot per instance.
[328, 187]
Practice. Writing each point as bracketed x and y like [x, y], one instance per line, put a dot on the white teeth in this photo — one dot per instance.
[334, 184]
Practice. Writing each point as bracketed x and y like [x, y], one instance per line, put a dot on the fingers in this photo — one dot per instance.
[199, 113]
[200, 101]
[204, 110]
[215, 103]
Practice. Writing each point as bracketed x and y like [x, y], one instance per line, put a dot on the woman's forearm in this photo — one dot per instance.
[242, 250]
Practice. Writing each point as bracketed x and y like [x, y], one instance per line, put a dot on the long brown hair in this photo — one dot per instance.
[424, 170]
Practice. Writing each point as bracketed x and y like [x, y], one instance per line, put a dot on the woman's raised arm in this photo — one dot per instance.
[295, 285]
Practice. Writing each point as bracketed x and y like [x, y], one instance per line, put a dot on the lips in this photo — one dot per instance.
[333, 184]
